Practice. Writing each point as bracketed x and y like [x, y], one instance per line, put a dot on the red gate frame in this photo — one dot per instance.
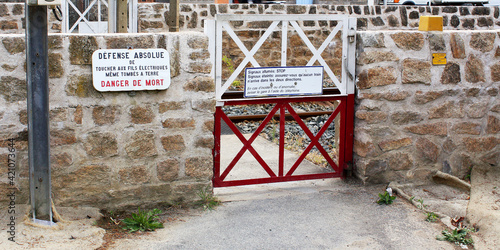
[346, 111]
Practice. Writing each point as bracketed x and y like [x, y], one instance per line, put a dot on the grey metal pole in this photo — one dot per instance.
[37, 77]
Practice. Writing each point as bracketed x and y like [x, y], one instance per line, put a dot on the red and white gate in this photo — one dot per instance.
[340, 34]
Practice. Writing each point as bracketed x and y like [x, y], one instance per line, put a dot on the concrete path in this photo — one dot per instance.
[320, 214]
[330, 214]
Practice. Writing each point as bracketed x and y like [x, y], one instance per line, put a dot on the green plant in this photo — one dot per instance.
[431, 217]
[229, 63]
[207, 199]
[143, 221]
[421, 206]
[458, 236]
[385, 198]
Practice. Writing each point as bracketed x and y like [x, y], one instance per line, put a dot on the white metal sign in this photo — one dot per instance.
[130, 69]
[283, 81]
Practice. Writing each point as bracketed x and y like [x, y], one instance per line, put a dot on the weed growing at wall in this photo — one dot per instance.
[207, 199]
[386, 198]
[459, 236]
[143, 221]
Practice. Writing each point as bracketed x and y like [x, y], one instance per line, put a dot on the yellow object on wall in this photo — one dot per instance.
[428, 23]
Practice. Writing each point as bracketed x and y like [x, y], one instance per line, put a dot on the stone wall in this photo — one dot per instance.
[413, 117]
[114, 149]
[152, 16]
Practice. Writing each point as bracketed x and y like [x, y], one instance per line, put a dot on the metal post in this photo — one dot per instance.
[173, 16]
[122, 16]
[38, 112]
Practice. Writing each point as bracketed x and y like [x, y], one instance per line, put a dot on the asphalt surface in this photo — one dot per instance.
[329, 214]
[320, 214]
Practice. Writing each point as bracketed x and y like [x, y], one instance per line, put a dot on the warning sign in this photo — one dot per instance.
[130, 69]
[283, 81]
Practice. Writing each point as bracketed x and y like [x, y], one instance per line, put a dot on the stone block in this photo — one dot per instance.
[78, 115]
[421, 97]
[371, 116]
[58, 114]
[81, 86]
[457, 46]
[495, 72]
[199, 167]
[61, 161]
[14, 45]
[168, 170]
[81, 49]
[65, 136]
[396, 95]
[408, 40]
[204, 105]
[209, 125]
[172, 105]
[364, 147]
[137, 42]
[173, 143]
[141, 115]
[368, 39]
[200, 67]
[416, 71]
[469, 128]
[480, 144]
[13, 89]
[134, 175]
[200, 83]
[23, 117]
[179, 123]
[204, 142]
[492, 158]
[199, 55]
[440, 129]
[436, 42]
[55, 42]
[449, 109]
[8, 25]
[400, 161]
[56, 69]
[427, 149]
[493, 126]
[393, 144]
[145, 24]
[377, 76]
[451, 74]
[449, 146]
[87, 179]
[198, 42]
[406, 117]
[105, 115]
[8, 67]
[477, 109]
[482, 41]
[142, 144]
[101, 144]
[369, 57]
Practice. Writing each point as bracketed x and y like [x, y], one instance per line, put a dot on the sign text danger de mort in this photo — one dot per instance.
[130, 70]
[283, 81]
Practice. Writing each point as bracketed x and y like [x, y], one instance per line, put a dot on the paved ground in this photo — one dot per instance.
[321, 214]
[328, 214]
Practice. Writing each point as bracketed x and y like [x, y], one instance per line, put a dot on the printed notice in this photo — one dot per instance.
[283, 81]
[130, 69]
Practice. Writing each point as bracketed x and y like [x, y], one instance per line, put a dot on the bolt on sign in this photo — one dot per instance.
[130, 69]
[283, 81]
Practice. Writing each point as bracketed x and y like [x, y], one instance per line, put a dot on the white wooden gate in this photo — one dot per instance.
[102, 23]
[221, 32]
